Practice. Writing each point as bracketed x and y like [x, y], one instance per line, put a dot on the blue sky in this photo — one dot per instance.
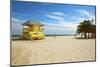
[57, 18]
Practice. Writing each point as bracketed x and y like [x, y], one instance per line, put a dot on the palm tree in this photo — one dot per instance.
[80, 29]
[85, 28]
[92, 29]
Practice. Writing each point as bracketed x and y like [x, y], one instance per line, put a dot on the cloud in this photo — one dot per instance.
[60, 29]
[59, 23]
[16, 26]
[85, 13]
[54, 17]
[78, 19]
[15, 20]
[58, 13]
[61, 26]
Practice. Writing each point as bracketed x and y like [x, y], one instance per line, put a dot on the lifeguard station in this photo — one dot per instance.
[33, 30]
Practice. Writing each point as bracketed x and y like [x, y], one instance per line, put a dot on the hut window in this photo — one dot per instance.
[26, 26]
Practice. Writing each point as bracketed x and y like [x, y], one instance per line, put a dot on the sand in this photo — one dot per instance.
[52, 50]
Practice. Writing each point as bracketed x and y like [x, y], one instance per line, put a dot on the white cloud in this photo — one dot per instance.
[63, 28]
[61, 25]
[85, 13]
[58, 13]
[54, 17]
[78, 19]
[16, 26]
[17, 20]
[14, 19]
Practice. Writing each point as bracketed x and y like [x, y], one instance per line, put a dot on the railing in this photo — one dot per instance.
[26, 30]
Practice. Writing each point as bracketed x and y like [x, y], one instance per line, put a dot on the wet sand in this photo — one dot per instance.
[52, 50]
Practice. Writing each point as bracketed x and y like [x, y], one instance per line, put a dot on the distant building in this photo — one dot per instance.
[33, 29]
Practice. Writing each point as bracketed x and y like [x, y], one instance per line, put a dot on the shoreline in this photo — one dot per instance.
[19, 37]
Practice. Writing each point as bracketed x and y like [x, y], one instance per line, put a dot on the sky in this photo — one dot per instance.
[57, 18]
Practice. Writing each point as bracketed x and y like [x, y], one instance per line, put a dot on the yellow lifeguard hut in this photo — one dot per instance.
[33, 29]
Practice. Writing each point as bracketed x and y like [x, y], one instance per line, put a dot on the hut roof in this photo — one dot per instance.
[33, 22]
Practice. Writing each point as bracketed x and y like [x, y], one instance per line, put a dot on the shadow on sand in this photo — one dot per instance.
[83, 38]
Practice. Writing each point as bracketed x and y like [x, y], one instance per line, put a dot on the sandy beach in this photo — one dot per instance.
[52, 50]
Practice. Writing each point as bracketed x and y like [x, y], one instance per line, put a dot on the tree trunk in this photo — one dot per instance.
[81, 35]
[85, 36]
[88, 35]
